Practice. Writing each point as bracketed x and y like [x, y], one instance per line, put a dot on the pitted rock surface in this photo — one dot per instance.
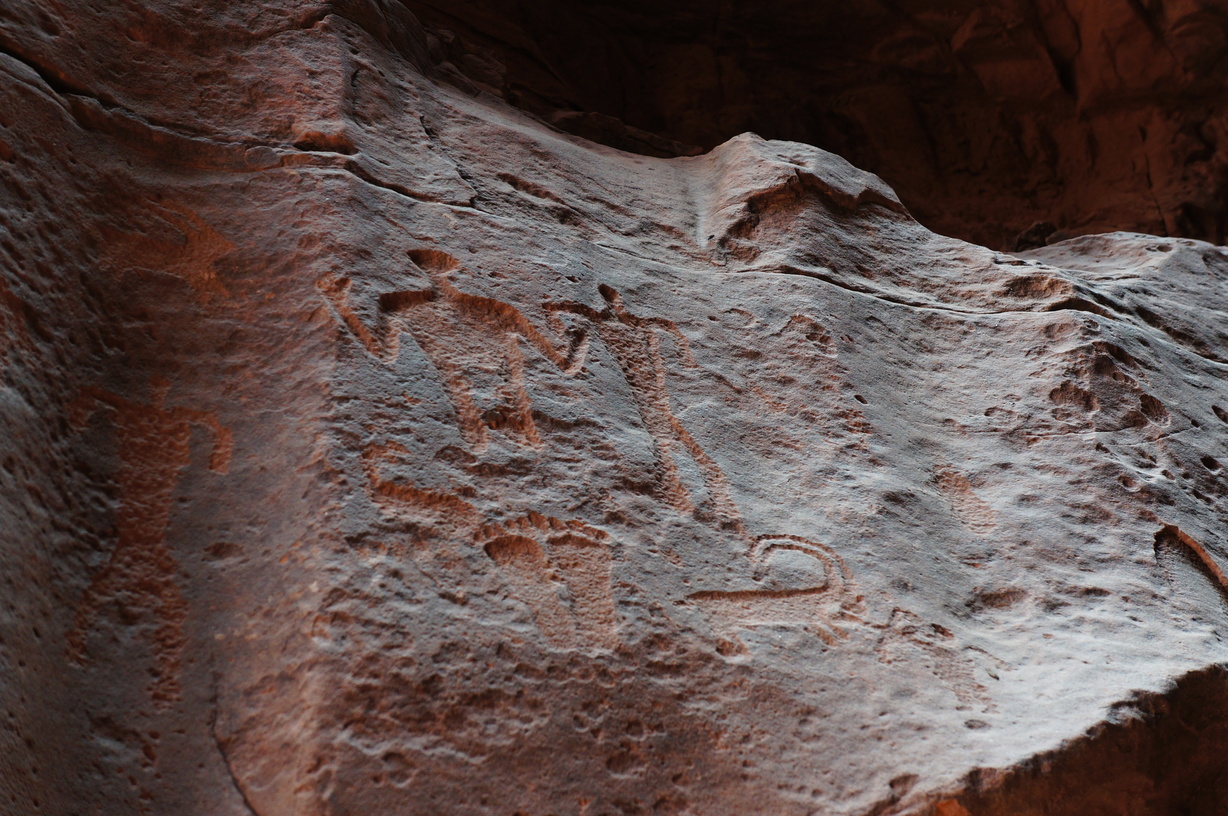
[374, 447]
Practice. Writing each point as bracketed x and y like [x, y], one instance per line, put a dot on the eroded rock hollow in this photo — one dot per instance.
[374, 445]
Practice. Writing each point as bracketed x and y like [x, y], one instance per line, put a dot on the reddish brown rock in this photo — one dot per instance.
[374, 447]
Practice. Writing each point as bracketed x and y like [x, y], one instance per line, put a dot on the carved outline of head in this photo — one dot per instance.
[434, 262]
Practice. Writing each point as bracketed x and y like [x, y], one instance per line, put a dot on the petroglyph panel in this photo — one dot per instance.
[572, 481]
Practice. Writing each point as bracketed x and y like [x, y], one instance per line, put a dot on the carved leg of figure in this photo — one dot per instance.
[524, 567]
[517, 394]
[585, 566]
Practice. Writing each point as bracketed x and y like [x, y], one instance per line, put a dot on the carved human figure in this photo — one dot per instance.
[138, 581]
[635, 343]
[474, 342]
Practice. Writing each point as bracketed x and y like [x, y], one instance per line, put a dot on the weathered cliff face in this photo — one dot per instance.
[1093, 116]
[373, 447]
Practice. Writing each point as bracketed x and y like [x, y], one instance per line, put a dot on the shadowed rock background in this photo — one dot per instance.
[420, 409]
[985, 118]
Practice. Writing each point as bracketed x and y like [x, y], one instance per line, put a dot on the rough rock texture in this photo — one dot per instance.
[372, 447]
[1091, 115]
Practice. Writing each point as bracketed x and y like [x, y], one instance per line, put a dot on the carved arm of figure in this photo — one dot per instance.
[579, 340]
[385, 343]
[618, 311]
[680, 339]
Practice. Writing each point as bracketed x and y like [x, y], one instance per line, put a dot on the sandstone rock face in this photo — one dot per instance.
[373, 447]
[1094, 116]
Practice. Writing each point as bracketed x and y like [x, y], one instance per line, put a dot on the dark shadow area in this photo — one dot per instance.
[1009, 124]
[1160, 754]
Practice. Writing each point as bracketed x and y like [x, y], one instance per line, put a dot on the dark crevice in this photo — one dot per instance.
[1155, 753]
[95, 114]
[75, 97]
[1078, 305]
[53, 79]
